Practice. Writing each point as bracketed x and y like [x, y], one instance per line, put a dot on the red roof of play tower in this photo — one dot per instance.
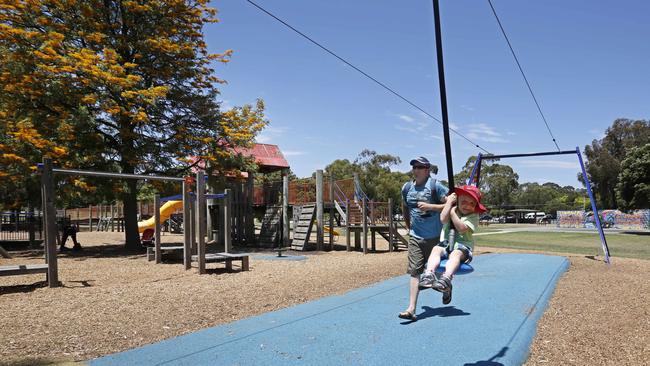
[268, 157]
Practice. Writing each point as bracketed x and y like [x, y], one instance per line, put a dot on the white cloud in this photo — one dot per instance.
[484, 132]
[557, 164]
[467, 108]
[406, 118]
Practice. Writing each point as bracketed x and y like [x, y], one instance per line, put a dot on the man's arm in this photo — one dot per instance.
[407, 215]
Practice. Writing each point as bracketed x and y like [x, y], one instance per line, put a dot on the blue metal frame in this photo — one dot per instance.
[477, 170]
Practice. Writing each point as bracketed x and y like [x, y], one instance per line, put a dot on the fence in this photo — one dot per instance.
[636, 220]
[15, 226]
[271, 193]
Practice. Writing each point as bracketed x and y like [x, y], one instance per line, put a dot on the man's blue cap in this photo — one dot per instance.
[421, 161]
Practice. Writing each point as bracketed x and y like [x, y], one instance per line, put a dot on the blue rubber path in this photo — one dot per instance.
[491, 321]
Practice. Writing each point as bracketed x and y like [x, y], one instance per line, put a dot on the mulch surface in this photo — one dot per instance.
[112, 301]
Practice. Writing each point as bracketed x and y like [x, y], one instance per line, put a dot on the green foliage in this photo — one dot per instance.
[634, 180]
[604, 157]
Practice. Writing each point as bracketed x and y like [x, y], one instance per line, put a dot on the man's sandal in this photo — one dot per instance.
[407, 315]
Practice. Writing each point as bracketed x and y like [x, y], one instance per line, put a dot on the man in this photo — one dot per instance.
[422, 200]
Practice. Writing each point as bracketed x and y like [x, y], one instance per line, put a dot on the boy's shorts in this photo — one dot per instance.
[467, 252]
[418, 254]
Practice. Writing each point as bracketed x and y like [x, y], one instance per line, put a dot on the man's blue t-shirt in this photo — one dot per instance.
[424, 225]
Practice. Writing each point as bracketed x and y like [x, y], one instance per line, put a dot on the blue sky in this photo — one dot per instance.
[587, 62]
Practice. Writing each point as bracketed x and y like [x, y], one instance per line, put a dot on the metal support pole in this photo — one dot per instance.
[227, 215]
[200, 219]
[594, 208]
[156, 215]
[319, 210]
[390, 225]
[187, 239]
[364, 218]
[285, 208]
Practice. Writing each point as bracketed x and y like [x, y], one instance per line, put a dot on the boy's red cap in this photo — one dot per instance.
[474, 193]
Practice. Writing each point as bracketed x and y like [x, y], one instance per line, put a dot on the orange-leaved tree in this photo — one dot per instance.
[125, 86]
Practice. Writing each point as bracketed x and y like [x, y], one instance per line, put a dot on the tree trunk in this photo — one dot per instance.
[130, 201]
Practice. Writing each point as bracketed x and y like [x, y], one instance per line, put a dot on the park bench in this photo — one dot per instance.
[22, 269]
[151, 251]
[228, 258]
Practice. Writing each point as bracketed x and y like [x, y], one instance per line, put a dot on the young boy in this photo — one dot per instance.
[462, 209]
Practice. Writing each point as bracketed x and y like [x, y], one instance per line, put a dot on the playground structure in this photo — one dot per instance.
[349, 210]
[50, 267]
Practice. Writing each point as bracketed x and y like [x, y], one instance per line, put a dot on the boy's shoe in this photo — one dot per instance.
[77, 247]
[443, 284]
[446, 296]
[427, 280]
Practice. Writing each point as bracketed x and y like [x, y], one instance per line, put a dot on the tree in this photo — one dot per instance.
[114, 85]
[604, 157]
[497, 181]
[633, 189]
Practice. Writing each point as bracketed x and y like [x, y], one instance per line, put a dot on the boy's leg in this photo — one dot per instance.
[444, 283]
[429, 276]
[453, 263]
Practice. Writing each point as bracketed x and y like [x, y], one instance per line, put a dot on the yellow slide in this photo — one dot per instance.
[165, 211]
[331, 230]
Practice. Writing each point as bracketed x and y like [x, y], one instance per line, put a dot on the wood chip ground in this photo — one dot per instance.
[113, 301]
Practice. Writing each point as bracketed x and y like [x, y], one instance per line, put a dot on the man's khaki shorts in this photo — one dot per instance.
[418, 255]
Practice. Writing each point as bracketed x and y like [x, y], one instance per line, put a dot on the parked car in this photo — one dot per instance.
[547, 219]
[534, 216]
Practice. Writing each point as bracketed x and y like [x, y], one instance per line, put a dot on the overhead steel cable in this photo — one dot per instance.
[362, 72]
[530, 89]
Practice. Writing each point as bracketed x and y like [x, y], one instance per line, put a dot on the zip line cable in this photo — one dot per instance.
[530, 89]
[362, 72]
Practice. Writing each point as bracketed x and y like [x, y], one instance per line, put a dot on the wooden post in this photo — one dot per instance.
[250, 220]
[112, 217]
[30, 226]
[347, 224]
[156, 215]
[364, 212]
[331, 193]
[227, 215]
[200, 219]
[390, 225]
[319, 210]
[187, 249]
[193, 220]
[285, 208]
[47, 181]
[90, 218]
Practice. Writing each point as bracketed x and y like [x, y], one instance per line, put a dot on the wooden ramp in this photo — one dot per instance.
[302, 228]
[271, 229]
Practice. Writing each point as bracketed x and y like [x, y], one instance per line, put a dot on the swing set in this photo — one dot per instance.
[476, 174]
[466, 268]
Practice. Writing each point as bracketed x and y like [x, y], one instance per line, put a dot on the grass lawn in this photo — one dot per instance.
[620, 245]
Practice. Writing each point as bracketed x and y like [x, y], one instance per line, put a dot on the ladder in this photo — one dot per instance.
[302, 228]
[270, 231]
